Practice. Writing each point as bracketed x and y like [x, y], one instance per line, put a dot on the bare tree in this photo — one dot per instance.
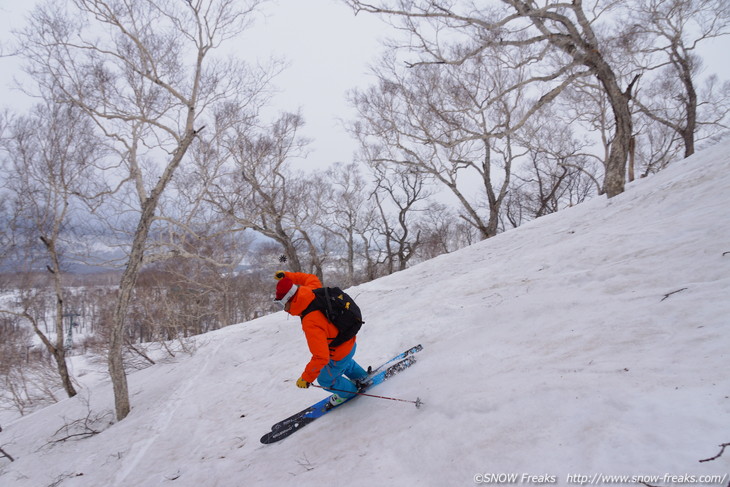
[560, 41]
[316, 193]
[191, 293]
[348, 212]
[49, 159]
[453, 123]
[399, 191]
[558, 170]
[658, 145]
[143, 71]
[672, 31]
[29, 379]
[259, 190]
[373, 251]
[442, 231]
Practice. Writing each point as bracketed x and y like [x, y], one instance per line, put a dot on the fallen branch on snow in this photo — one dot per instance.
[673, 292]
[92, 424]
[722, 449]
[4, 453]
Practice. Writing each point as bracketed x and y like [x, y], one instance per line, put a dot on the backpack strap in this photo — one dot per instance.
[322, 294]
[329, 303]
[315, 305]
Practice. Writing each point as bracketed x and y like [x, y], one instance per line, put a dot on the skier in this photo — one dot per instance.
[333, 368]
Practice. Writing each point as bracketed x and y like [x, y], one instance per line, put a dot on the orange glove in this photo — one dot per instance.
[301, 383]
[278, 275]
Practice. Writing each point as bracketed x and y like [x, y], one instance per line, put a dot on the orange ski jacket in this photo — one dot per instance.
[318, 331]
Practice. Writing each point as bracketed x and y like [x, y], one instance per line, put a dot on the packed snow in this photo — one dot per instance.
[587, 344]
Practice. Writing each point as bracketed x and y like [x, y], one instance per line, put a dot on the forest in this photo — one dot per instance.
[151, 191]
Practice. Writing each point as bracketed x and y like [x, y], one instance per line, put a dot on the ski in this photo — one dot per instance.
[389, 372]
[375, 376]
[402, 355]
[288, 426]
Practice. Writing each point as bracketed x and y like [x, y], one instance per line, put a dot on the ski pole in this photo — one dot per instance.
[417, 402]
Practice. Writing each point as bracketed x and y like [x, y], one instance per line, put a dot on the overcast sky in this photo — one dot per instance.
[328, 49]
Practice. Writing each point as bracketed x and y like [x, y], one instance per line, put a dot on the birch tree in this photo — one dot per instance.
[50, 154]
[348, 212]
[398, 194]
[559, 41]
[452, 123]
[146, 74]
[557, 171]
[672, 31]
[259, 190]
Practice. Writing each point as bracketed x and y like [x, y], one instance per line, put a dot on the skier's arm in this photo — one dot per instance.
[303, 279]
[315, 330]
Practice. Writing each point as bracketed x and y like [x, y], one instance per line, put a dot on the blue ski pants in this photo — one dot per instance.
[334, 376]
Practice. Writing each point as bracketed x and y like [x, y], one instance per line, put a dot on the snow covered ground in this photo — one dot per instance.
[590, 343]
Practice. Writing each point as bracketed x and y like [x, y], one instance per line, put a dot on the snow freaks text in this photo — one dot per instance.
[598, 478]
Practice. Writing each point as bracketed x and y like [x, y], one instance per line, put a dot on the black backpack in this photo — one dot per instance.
[340, 310]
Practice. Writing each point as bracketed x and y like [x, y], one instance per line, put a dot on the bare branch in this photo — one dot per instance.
[719, 454]
[3, 452]
[673, 292]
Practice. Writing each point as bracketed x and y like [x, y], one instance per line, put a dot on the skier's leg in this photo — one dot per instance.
[355, 371]
[331, 376]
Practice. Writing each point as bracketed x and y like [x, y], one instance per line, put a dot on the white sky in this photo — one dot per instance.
[328, 49]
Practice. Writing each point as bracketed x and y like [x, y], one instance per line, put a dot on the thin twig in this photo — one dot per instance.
[90, 425]
[4, 453]
[673, 292]
[722, 449]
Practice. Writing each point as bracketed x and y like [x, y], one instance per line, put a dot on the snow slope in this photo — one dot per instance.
[592, 342]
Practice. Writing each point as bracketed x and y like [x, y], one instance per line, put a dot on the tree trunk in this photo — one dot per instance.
[632, 158]
[581, 44]
[58, 350]
[129, 277]
[688, 134]
[350, 257]
[60, 356]
[615, 179]
[126, 286]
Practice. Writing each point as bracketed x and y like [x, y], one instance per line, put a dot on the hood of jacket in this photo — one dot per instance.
[299, 302]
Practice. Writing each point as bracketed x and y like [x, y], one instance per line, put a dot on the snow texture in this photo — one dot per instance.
[591, 342]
